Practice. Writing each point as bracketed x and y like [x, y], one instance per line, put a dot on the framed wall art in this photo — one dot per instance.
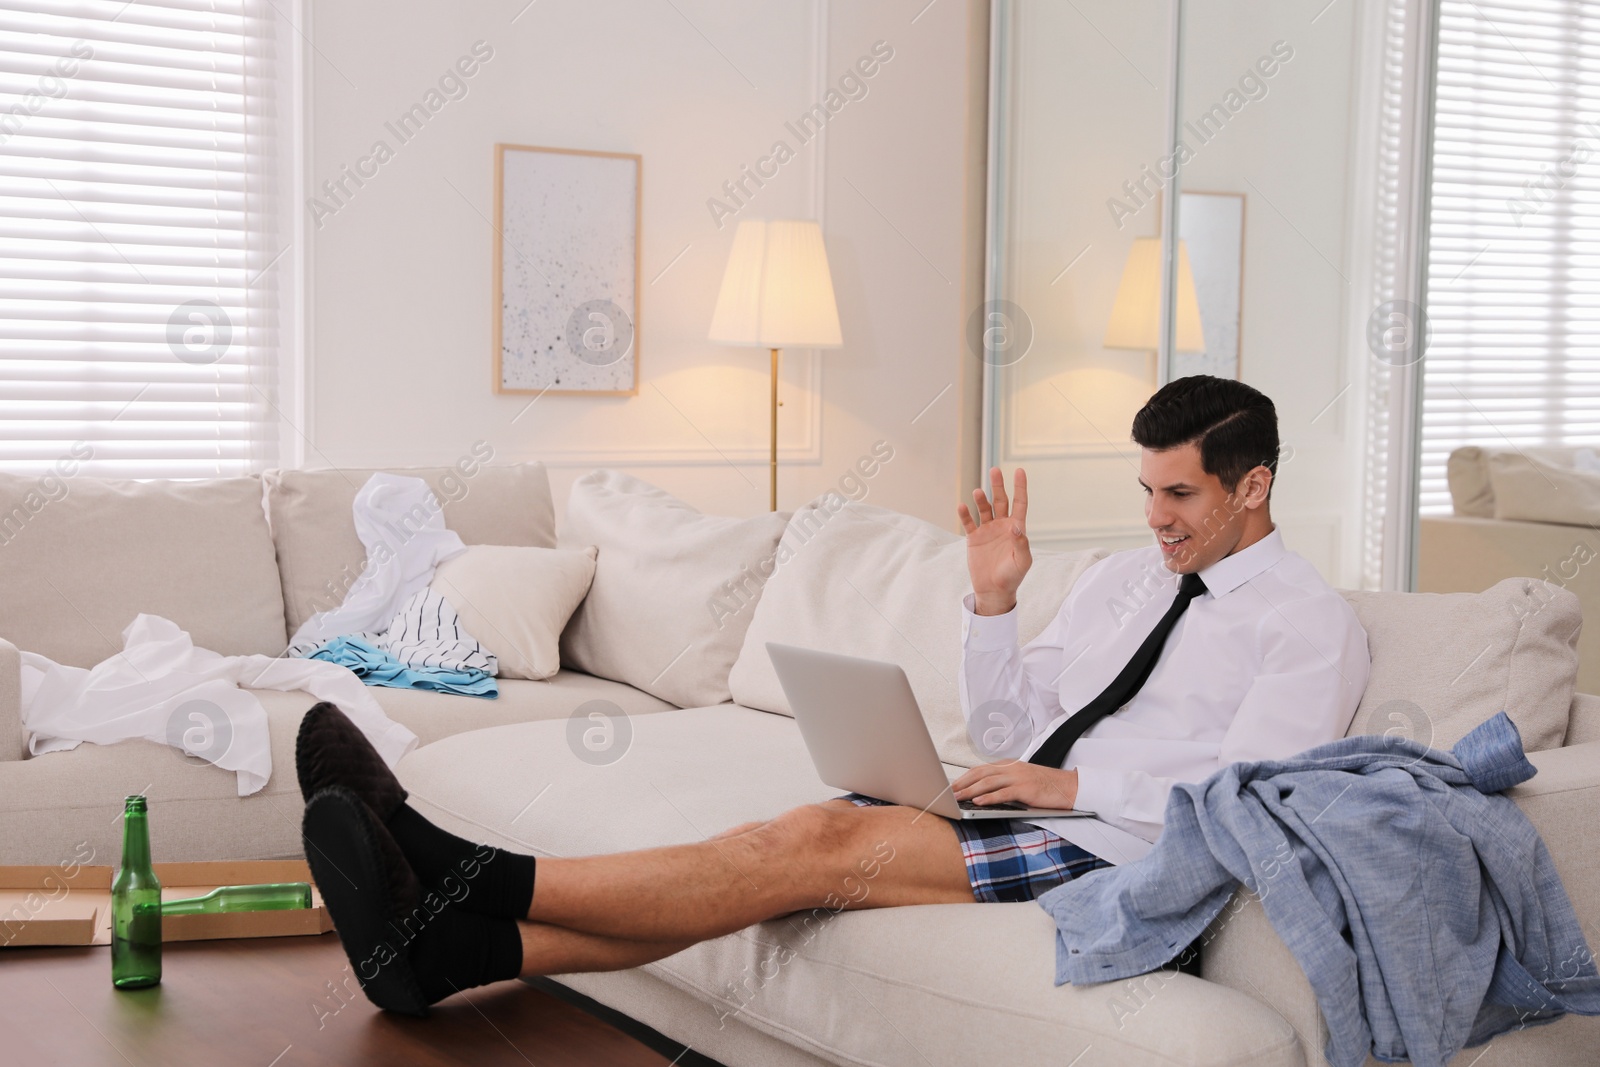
[566, 271]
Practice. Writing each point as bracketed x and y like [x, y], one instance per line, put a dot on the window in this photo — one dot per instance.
[144, 269]
[1514, 232]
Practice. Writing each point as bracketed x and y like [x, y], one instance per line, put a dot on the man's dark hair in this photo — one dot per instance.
[1235, 426]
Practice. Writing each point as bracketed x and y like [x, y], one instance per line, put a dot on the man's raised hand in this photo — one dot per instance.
[997, 543]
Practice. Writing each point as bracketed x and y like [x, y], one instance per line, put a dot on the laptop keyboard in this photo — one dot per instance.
[1004, 805]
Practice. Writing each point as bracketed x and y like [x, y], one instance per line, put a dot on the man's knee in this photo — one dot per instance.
[822, 831]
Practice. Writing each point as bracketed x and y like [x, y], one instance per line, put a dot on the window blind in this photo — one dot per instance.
[139, 236]
[1514, 232]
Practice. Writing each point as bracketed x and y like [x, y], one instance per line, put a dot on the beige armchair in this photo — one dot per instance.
[1511, 533]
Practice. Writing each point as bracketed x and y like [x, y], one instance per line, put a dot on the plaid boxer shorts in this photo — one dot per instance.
[1009, 860]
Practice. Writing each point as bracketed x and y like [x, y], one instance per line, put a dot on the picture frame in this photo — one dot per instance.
[566, 270]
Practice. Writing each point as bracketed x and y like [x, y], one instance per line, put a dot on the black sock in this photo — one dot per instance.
[460, 949]
[497, 883]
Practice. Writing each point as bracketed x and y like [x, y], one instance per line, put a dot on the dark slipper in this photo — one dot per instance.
[330, 751]
[371, 894]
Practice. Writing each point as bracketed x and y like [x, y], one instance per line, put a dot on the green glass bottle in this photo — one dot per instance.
[135, 905]
[270, 896]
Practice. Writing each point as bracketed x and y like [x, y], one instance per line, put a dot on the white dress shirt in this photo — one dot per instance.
[145, 691]
[1267, 663]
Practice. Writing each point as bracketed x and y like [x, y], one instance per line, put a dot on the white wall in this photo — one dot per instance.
[400, 366]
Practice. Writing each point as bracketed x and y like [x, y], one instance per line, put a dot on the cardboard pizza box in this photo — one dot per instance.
[71, 904]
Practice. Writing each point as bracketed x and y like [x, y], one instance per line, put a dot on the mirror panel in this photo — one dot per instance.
[1269, 118]
[1086, 89]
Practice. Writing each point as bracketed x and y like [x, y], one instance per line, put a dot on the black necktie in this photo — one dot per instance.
[1053, 753]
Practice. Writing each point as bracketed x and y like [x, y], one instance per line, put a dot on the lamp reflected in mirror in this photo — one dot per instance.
[1136, 314]
[1210, 280]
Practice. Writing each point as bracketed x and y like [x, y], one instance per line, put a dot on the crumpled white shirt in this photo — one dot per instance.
[401, 524]
[162, 688]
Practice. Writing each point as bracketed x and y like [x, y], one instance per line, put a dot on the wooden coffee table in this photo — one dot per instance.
[280, 1002]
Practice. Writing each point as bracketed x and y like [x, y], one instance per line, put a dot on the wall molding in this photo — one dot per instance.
[756, 460]
[1075, 536]
[1327, 557]
[1085, 448]
[1323, 552]
[1072, 450]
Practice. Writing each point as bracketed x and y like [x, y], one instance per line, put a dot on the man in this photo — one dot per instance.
[1215, 644]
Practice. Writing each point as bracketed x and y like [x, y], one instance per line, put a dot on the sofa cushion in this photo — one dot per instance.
[51, 802]
[320, 556]
[959, 983]
[516, 601]
[870, 582]
[567, 695]
[1531, 489]
[1444, 662]
[82, 557]
[672, 587]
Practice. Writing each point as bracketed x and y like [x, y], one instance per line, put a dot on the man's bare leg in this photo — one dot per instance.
[648, 904]
[550, 950]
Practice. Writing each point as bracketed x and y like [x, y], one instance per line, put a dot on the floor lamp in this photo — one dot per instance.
[777, 293]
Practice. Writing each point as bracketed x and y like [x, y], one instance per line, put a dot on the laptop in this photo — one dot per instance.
[866, 734]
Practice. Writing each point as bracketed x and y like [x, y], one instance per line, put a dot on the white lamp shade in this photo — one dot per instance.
[1136, 315]
[776, 291]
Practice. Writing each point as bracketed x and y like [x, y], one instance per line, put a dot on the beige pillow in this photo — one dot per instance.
[866, 581]
[1534, 489]
[517, 600]
[672, 589]
[1444, 662]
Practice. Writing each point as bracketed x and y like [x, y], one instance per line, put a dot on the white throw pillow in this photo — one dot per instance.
[1444, 662]
[866, 581]
[672, 589]
[516, 601]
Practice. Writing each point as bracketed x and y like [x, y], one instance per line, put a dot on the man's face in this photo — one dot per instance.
[1196, 519]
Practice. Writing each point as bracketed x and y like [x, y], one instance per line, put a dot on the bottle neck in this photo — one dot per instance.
[135, 840]
[212, 901]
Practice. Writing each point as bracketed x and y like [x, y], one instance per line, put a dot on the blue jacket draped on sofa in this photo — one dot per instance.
[1422, 906]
